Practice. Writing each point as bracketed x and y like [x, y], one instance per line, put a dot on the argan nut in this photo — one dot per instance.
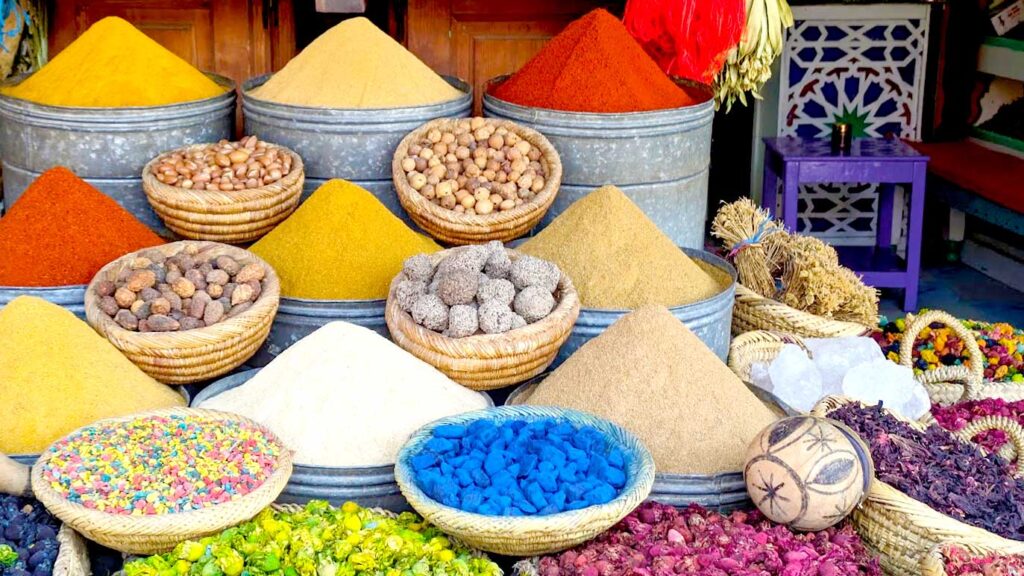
[124, 297]
[197, 306]
[143, 312]
[140, 279]
[160, 306]
[143, 326]
[184, 287]
[253, 271]
[190, 323]
[162, 323]
[149, 294]
[172, 275]
[105, 288]
[140, 262]
[109, 306]
[213, 313]
[228, 264]
[173, 298]
[242, 293]
[257, 289]
[215, 290]
[217, 277]
[134, 308]
[126, 320]
[197, 278]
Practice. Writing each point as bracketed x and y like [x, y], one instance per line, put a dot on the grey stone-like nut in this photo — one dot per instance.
[498, 263]
[534, 303]
[407, 292]
[430, 312]
[418, 268]
[462, 321]
[458, 287]
[495, 318]
[501, 291]
[530, 271]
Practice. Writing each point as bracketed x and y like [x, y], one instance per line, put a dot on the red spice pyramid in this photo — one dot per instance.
[61, 231]
[594, 65]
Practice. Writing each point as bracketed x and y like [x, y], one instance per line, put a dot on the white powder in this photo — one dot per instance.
[345, 396]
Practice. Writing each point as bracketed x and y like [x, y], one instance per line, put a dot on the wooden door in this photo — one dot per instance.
[235, 38]
[477, 40]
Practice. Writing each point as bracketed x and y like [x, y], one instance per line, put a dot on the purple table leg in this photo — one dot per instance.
[770, 187]
[886, 195]
[914, 236]
[790, 194]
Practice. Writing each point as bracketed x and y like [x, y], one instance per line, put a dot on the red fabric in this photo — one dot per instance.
[992, 175]
[687, 38]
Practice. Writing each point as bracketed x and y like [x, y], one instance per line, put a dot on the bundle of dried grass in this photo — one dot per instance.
[755, 243]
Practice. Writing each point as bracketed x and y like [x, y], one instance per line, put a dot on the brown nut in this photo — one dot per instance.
[190, 323]
[109, 306]
[243, 293]
[214, 312]
[215, 290]
[217, 277]
[105, 288]
[184, 287]
[160, 306]
[124, 297]
[125, 319]
[228, 264]
[140, 279]
[140, 262]
[162, 323]
[253, 271]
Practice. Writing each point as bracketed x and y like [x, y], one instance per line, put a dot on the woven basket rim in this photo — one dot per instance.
[152, 186]
[950, 527]
[230, 328]
[146, 524]
[643, 480]
[791, 315]
[415, 203]
[563, 314]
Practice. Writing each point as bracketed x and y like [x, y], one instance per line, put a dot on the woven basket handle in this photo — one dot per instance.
[14, 477]
[972, 378]
[1012, 451]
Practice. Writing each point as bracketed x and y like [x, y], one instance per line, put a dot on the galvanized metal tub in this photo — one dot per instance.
[298, 317]
[370, 486]
[660, 159]
[724, 492]
[107, 147]
[70, 297]
[710, 319]
[354, 144]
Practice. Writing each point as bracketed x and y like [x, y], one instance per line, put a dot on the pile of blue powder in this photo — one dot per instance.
[519, 467]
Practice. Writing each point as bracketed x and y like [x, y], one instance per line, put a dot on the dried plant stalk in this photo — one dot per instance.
[745, 230]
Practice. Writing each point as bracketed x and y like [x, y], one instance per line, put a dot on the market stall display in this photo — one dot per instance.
[142, 483]
[317, 537]
[150, 305]
[346, 101]
[336, 256]
[57, 374]
[693, 540]
[591, 503]
[970, 559]
[619, 260]
[33, 542]
[931, 486]
[474, 180]
[65, 231]
[615, 118]
[486, 316]
[233, 192]
[105, 106]
[389, 394]
[807, 473]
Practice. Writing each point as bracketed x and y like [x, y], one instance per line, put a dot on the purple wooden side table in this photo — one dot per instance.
[870, 160]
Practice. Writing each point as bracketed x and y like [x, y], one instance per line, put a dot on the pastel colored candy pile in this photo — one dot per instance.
[1001, 344]
[159, 465]
[519, 468]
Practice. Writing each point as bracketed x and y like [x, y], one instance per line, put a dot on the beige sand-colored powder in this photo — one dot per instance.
[651, 375]
[617, 257]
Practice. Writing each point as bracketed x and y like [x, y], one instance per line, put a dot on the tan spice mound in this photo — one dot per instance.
[618, 258]
[651, 375]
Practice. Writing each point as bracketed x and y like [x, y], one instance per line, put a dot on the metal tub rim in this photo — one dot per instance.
[348, 116]
[43, 289]
[341, 309]
[46, 114]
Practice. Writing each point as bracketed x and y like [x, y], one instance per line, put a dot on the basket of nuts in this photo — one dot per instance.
[472, 180]
[186, 311]
[232, 192]
[486, 316]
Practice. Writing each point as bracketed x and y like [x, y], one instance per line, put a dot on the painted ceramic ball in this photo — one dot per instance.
[807, 472]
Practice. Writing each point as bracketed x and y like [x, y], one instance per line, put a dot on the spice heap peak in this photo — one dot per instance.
[594, 65]
[356, 65]
[114, 65]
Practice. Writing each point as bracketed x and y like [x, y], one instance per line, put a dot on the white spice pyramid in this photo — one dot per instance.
[651, 375]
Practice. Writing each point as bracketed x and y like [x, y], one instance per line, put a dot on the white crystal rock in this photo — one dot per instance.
[795, 379]
[759, 376]
[890, 383]
[835, 356]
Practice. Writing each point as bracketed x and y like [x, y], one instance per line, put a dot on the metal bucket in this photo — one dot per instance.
[710, 319]
[370, 486]
[659, 159]
[106, 147]
[723, 492]
[354, 144]
[70, 297]
[298, 317]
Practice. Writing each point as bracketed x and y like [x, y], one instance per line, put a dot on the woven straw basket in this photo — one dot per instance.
[530, 535]
[755, 312]
[190, 355]
[151, 534]
[951, 384]
[72, 555]
[903, 531]
[488, 361]
[934, 563]
[454, 228]
[236, 217]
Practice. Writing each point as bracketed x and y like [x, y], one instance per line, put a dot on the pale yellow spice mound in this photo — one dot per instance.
[356, 65]
[57, 375]
[112, 65]
[618, 258]
[651, 375]
[341, 244]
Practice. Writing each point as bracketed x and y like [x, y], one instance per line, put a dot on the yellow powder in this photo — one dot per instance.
[341, 244]
[618, 258]
[57, 374]
[113, 65]
[651, 375]
[356, 65]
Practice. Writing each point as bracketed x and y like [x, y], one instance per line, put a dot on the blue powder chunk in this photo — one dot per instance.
[535, 495]
[545, 467]
[527, 464]
[576, 505]
[494, 462]
[568, 474]
[557, 500]
[488, 509]
[548, 481]
[447, 469]
[616, 458]
[526, 507]
[450, 431]
[553, 455]
[480, 478]
[472, 499]
[423, 460]
[440, 445]
[598, 466]
[562, 429]
[601, 494]
[576, 491]
[464, 477]
[502, 480]
[615, 477]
